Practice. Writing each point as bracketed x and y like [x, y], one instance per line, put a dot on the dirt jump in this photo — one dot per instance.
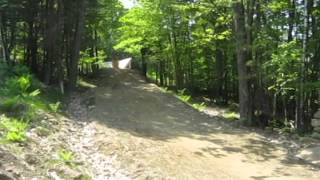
[152, 135]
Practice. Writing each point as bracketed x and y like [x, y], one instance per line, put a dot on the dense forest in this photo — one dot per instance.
[264, 52]
[56, 38]
[262, 55]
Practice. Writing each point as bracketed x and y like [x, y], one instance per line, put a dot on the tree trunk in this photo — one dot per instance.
[292, 14]
[241, 44]
[75, 52]
[220, 73]
[59, 56]
[302, 123]
[162, 71]
[144, 62]
[4, 42]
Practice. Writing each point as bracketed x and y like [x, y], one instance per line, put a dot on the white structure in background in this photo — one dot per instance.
[121, 64]
[125, 63]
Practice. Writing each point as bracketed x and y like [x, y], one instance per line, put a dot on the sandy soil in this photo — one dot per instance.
[153, 135]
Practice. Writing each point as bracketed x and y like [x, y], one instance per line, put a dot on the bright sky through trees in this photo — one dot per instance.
[128, 4]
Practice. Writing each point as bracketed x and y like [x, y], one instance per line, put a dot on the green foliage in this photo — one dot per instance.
[289, 124]
[152, 75]
[312, 86]
[190, 44]
[140, 26]
[8, 104]
[102, 26]
[55, 107]
[17, 85]
[231, 116]
[278, 5]
[35, 93]
[14, 130]
[24, 83]
[20, 83]
[66, 157]
[3, 68]
[20, 70]
[87, 59]
[20, 94]
[286, 126]
[284, 67]
[199, 106]
[183, 96]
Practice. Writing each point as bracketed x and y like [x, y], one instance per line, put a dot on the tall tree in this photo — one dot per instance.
[242, 50]
[76, 43]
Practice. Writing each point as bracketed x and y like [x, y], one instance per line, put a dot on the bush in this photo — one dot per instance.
[19, 102]
[19, 85]
[8, 104]
[17, 70]
[20, 70]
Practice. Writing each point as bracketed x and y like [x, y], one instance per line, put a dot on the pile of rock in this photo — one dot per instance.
[316, 121]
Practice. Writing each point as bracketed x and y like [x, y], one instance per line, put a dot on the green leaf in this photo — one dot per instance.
[35, 93]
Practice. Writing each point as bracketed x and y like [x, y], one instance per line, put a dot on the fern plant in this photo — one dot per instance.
[54, 107]
[66, 157]
[183, 96]
[14, 130]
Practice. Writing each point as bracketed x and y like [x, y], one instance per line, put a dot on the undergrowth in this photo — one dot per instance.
[20, 102]
[187, 98]
[13, 130]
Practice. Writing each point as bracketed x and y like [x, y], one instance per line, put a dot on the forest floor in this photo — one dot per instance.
[124, 128]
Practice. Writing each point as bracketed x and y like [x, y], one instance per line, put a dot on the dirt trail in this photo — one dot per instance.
[155, 136]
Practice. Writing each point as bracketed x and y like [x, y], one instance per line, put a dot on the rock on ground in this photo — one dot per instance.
[311, 155]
